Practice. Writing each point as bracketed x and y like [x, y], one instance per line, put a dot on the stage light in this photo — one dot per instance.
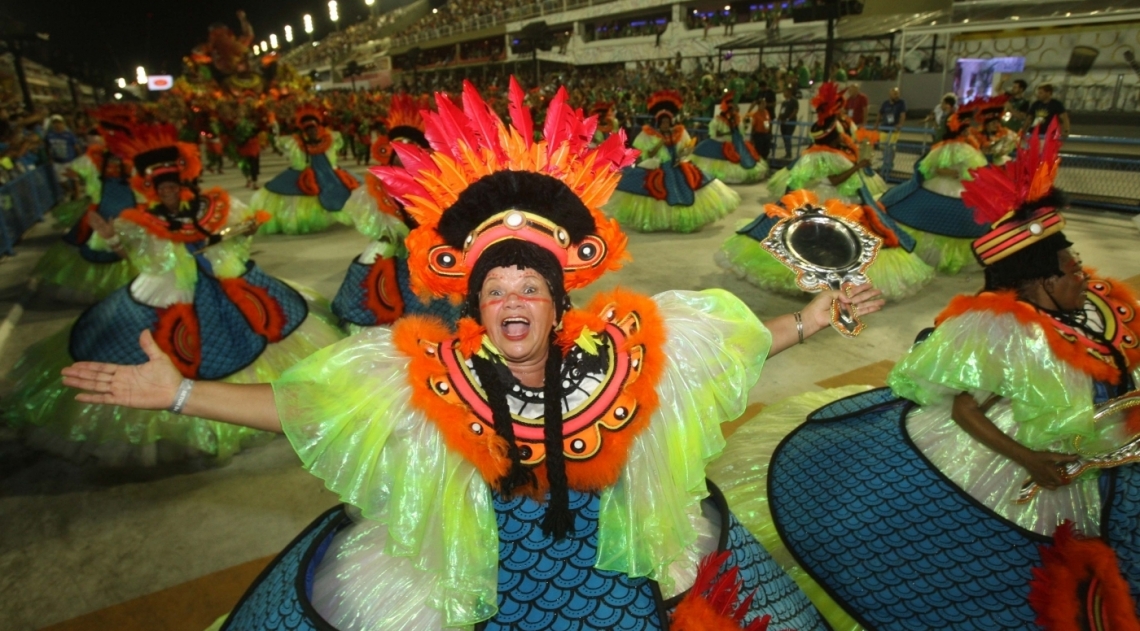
[256, 49]
[140, 75]
[121, 82]
[273, 41]
[308, 23]
[334, 15]
[288, 33]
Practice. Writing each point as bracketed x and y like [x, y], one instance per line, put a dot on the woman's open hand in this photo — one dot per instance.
[149, 386]
[100, 225]
[863, 299]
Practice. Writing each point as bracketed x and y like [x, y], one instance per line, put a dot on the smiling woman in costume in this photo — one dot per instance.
[539, 440]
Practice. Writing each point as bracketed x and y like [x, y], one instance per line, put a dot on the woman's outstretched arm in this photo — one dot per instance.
[155, 385]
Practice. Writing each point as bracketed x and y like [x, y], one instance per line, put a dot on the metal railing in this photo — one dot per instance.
[479, 22]
[23, 202]
[1089, 176]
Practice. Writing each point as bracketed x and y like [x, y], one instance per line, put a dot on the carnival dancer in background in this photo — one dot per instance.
[80, 267]
[828, 172]
[725, 154]
[607, 122]
[246, 139]
[203, 304]
[538, 439]
[310, 194]
[376, 289]
[832, 167]
[929, 206]
[665, 191]
[996, 141]
[1002, 391]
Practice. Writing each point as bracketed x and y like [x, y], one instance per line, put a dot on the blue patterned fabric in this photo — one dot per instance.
[547, 585]
[891, 539]
[714, 149]
[440, 308]
[116, 197]
[914, 206]
[677, 189]
[333, 193]
[279, 598]
[759, 228]
[352, 298]
[348, 305]
[109, 330]
[285, 183]
[1119, 525]
[543, 584]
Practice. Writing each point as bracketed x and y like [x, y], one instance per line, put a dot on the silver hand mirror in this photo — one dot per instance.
[1115, 444]
[825, 252]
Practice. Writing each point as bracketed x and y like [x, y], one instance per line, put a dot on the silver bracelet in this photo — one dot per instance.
[799, 326]
[180, 397]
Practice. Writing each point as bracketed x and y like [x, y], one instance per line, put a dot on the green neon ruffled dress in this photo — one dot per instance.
[424, 551]
[666, 192]
[81, 267]
[292, 211]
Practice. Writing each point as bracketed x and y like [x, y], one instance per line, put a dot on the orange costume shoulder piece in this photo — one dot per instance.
[1117, 308]
[212, 215]
[624, 330]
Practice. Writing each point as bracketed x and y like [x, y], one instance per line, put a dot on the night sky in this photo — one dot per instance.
[110, 38]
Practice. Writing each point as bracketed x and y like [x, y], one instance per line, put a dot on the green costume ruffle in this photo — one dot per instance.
[730, 172]
[744, 256]
[295, 214]
[347, 411]
[63, 267]
[948, 255]
[645, 214]
[41, 403]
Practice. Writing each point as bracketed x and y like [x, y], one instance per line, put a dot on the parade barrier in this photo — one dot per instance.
[23, 202]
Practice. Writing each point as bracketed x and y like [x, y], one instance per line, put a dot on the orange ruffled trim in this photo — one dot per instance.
[213, 220]
[1006, 302]
[486, 451]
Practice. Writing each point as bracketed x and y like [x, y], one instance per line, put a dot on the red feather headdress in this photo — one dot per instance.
[1002, 196]
[828, 102]
[472, 144]
[158, 155]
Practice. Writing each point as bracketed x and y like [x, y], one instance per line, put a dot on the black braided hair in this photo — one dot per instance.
[494, 384]
[559, 520]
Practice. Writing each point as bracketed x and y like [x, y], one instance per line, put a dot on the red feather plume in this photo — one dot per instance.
[828, 102]
[997, 191]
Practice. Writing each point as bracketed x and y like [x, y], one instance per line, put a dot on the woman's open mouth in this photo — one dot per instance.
[515, 328]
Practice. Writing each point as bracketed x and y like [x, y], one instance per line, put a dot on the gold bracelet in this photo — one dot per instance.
[799, 326]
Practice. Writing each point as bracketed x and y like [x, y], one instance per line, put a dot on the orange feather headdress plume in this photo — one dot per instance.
[157, 155]
[308, 112]
[1009, 198]
[404, 124]
[665, 103]
[480, 186]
